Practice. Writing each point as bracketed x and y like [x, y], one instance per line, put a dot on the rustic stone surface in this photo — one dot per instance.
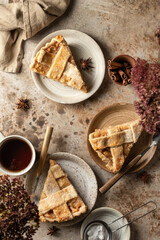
[119, 27]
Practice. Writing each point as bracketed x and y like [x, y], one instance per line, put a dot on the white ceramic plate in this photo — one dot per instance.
[108, 215]
[82, 46]
[80, 174]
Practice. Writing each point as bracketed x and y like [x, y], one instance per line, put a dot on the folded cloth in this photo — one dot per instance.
[20, 21]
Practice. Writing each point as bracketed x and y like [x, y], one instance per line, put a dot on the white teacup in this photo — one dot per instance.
[11, 150]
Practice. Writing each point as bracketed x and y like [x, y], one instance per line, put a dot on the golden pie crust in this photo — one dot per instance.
[114, 143]
[59, 200]
[55, 61]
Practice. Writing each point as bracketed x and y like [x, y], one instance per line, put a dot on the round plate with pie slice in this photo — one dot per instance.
[79, 173]
[82, 46]
[115, 114]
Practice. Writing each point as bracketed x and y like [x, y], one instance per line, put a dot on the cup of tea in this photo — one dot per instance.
[17, 155]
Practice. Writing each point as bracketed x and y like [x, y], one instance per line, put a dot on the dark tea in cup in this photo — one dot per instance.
[15, 155]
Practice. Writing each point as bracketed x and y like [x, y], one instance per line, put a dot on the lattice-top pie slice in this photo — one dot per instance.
[59, 200]
[56, 61]
[114, 143]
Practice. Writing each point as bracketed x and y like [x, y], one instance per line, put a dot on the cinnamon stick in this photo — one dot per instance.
[114, 64]
[125, 82]
[127, 65]
[114, 68]
[115, 76]
[122, 74]
[128, 72]
[129, 80]
[120, 71]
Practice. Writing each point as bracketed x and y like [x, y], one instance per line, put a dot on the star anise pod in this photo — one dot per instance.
[145, 177]
[86, 63]
[52, 230]
[23, 103]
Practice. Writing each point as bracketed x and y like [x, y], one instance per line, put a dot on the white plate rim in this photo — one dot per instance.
[116, 212]
[98, 51]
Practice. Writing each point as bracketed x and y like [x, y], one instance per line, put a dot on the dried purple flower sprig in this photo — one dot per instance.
[19, 218]
[145, 78]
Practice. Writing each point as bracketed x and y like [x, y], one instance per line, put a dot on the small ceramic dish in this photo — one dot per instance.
[107, 216]
[120, 59]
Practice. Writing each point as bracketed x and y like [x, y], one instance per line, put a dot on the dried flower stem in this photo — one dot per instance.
[145, 78]
[19, 218]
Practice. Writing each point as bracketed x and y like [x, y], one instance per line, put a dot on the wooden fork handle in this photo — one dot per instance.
[120, 174]
[44, 150]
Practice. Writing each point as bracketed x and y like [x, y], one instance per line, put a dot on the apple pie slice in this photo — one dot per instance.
[59, 200]
[114, 143]
[55, 61]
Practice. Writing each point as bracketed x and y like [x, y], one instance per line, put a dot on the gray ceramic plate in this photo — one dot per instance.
[82, 46]
[80, 174]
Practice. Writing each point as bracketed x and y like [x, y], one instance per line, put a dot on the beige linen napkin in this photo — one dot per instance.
[20, 21]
